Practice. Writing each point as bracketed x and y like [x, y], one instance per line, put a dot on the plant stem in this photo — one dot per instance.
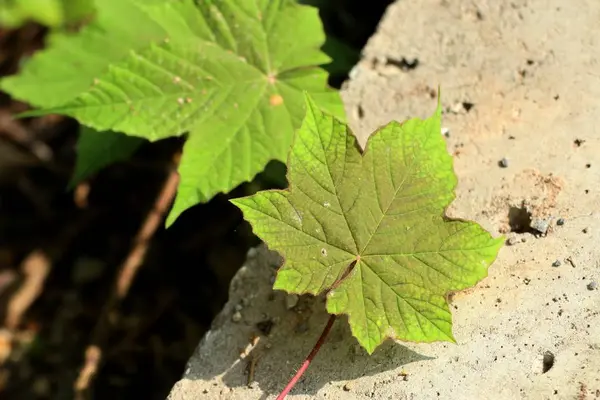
[308, 360]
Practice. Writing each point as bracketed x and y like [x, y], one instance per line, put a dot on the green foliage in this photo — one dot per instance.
[15, 12]
[52, 13]
[229, 73]
[101, 149]
[369, 228]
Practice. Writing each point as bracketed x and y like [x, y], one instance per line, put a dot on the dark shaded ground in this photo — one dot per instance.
[184, 280]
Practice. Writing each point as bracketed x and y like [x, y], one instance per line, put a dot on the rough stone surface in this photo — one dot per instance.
[519, 80]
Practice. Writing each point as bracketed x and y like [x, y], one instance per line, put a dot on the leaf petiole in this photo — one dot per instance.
[308, 360]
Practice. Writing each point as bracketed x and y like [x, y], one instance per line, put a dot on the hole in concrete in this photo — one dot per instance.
[519, 219]
[404, 64]
[547, 362]
[265, 326]
[467, 106]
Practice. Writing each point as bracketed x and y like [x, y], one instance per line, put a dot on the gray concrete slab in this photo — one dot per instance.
[520, 81]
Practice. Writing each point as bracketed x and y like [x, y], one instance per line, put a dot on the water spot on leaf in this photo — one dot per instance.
[296, 217]
[180, 100]
[176, 80]
[391, 332]
[275, 100]
[326, 204]
[188, 100]
[324, 252]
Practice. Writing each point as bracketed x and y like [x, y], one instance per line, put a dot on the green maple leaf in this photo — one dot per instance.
[72, 61]
[229, 73]
[369, 228]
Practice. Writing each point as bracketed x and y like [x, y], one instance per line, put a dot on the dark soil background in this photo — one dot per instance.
[183, 282]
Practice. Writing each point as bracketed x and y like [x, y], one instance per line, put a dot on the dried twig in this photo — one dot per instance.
[80, 194]
[6, 340]
[35, 269]
[90, 367]
[251, 368]
[136, 256]
[124, 280]
[19, 134]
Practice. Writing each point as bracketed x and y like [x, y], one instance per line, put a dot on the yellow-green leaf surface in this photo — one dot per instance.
[230, 73]
[379, 215]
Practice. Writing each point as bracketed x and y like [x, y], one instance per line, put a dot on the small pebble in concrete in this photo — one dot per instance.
[291, 300]
[512, 241]
[585, 230]
[348, 387]
[540, 225]
[404, 375]
[556, 263]
[236, 317]
[251, 252]
[503, 163]
[238, 307]
[302, 327]
[593, 285]
[560, 221]
[446, 132]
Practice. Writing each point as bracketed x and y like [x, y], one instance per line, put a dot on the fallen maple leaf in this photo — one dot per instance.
[370, 230]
